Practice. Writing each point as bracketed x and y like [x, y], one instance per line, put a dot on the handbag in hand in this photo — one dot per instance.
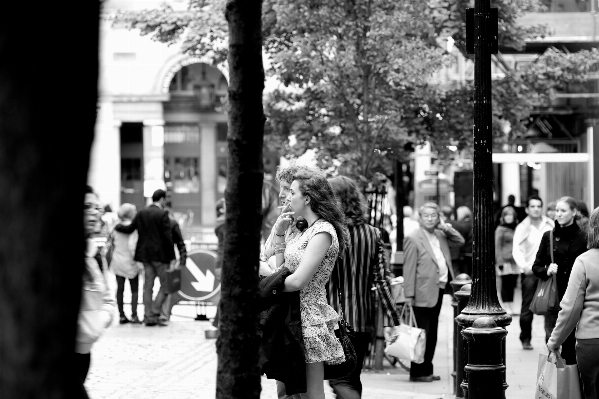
[345, 334]
[173, 278]
[546, 298]
[408, 342]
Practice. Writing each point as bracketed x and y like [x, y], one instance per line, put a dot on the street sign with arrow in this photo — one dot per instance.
[198, 282]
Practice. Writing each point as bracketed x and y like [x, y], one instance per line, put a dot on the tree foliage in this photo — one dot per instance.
[357, 76]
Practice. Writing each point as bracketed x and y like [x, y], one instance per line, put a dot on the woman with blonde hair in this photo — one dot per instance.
[123, 265]
[580, 311]
[569, 242]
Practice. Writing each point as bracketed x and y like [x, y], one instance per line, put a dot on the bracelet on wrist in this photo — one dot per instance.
[280, 235]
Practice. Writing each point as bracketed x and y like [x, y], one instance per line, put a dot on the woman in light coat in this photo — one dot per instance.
[580, 310]
[123, 265]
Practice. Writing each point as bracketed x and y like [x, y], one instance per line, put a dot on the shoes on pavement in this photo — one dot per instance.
[425, 378]
[527, 346]
[149, 322]
[162, 323]
[435, 377]
[135, 320]
[124, 320]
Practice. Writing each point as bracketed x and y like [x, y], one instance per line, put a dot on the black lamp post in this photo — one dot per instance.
[481, 39]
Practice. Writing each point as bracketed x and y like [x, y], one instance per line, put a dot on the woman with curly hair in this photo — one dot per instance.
[311, 256]
[361, 266]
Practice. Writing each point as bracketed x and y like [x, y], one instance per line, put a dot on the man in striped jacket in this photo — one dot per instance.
[361, 266]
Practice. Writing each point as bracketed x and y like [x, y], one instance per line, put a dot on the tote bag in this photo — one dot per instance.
[408, 342]
[556, 379]
[546, 298]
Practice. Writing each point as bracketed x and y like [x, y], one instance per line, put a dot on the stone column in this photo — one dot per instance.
[208, 172]
[510, 182]
[593, 149]
[153, 160]
[104, 173]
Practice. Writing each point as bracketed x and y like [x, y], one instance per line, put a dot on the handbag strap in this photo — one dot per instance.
[551, 245]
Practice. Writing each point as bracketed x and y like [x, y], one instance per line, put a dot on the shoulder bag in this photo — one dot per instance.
[345, 334]
[546, 298]
[408, 342]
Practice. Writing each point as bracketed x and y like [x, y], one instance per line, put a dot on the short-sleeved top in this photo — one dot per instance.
[314, 293]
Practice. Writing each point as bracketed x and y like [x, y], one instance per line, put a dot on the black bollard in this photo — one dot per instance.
[485, 371]
[456, 285]
[460, 354]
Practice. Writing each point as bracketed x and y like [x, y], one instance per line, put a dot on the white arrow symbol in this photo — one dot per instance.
[205, 283]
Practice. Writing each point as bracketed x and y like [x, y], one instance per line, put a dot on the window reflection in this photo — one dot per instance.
[182, 174]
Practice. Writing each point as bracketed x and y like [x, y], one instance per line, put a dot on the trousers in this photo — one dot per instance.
[153, 270]
[529, 286]
[427, 319]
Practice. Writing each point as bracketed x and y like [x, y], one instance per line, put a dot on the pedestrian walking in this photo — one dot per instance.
[527, 238]
[550, 213]
[361, 266]
[167, 305]
[580, 311]
[427, 270]
[464, 226]
[311, 257]
[123, 265]
[584, 216]
[155, 250]
[97, 305]
[219, 230]
[569, 242]
[505, 266]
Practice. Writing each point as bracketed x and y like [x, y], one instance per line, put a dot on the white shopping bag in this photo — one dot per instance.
[546, 378]
[408, 342]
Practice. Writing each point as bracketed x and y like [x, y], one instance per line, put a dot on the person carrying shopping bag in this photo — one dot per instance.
[427, 270]
[580, 310]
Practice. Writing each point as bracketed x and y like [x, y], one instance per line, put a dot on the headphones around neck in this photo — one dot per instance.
[301, 224]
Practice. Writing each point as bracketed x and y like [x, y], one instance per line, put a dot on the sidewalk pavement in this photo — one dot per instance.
[178, 362]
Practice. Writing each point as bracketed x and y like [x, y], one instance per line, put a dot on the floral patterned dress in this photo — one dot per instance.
[319, 320]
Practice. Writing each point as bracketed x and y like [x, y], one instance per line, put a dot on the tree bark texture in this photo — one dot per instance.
[238, 374]
[48, 97]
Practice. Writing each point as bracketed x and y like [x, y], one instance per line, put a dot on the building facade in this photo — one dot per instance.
[160, 124]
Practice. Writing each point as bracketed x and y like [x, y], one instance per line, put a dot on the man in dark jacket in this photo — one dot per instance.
[155, 250]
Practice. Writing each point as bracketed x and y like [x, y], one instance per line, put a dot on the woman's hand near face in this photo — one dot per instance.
[552, 269]
[283, 223]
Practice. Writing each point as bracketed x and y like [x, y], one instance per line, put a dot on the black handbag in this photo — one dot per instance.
[173, 279]
[345, 334]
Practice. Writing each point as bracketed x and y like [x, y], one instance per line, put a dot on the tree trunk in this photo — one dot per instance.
[238, 374]
[48, 97]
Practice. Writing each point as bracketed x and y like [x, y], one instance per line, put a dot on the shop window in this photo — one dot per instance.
[131, 175]
[221, 132]
[182, 133]
[182, 175]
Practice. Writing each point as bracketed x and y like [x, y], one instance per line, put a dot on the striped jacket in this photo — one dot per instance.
[362, 266]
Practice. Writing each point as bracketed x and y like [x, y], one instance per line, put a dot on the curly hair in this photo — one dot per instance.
[287, 173]
[323, 202]
[352, 201]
